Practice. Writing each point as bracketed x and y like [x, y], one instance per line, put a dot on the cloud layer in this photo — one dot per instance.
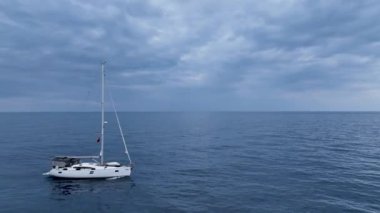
[190, 55]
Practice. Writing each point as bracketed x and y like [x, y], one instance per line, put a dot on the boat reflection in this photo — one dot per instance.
[63, 187]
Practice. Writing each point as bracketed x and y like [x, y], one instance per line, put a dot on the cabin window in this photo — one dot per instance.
[92, 168]
[59, 172]
[116, 170]
[64, 168]
[78, 168]
[91, 172]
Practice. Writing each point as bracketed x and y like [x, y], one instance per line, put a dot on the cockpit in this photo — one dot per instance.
[62, 162]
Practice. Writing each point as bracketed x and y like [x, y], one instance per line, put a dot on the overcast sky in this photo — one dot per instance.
[190, 55]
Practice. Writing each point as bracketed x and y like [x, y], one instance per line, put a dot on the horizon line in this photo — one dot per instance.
[190, 111]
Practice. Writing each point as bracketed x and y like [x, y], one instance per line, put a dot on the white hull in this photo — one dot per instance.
[90, 170]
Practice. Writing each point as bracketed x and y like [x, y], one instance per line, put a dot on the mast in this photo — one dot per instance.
[102, 127]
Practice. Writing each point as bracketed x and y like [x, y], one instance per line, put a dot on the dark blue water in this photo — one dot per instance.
[197, 162]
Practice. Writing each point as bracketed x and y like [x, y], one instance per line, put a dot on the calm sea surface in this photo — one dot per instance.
[197, 162]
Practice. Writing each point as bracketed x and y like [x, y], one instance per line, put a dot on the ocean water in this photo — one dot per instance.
[197, 162]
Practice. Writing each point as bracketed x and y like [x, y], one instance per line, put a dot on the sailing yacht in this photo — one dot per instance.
[72, 167]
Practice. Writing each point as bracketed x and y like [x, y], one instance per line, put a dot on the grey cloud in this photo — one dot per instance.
[173, 55]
